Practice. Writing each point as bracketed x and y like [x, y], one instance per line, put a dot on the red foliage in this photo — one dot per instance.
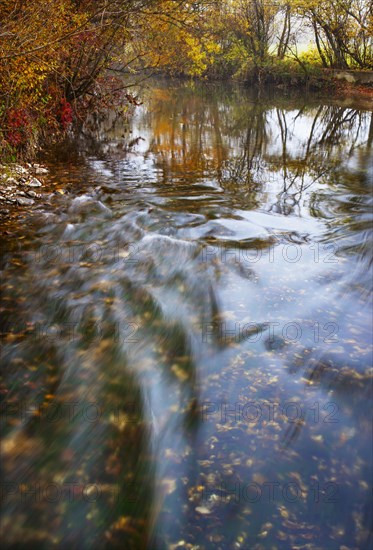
[18, 124]
[87, 37]
[66, 113]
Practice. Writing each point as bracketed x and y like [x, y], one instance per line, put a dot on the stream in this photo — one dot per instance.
[187, 330]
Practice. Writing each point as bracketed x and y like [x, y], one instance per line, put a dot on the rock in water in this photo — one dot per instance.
[24, 201]
[34, 183]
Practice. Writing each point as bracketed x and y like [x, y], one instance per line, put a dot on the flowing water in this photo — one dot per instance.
[187, 349]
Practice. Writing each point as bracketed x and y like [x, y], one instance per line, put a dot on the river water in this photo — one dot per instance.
[187, 349]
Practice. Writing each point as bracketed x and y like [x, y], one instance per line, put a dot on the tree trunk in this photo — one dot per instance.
[318, 45]
[285, 35]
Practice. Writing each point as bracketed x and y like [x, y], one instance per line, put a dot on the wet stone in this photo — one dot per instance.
[39, 171]
[20, 169]
[34, 183]
[25, 202]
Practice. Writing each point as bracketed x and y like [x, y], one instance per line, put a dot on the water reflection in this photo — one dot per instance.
[187, 346]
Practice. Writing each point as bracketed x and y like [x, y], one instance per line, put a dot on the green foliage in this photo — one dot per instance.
[310, 58]
[229, 61]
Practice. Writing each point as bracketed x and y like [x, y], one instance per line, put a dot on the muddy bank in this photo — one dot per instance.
[357, 91]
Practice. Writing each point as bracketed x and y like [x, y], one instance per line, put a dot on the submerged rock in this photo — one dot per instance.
[86, 204]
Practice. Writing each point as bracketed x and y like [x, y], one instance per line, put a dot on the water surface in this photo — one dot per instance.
[187, 340]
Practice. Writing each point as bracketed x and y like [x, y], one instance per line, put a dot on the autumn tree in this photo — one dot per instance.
[60, 58]
[259, 27]
[343, 30]
[254, 21]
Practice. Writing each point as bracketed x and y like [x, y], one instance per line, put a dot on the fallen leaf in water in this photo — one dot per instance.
[259, 478]
[180, 373]
[284, 513]
[121, 523]
[203, 510]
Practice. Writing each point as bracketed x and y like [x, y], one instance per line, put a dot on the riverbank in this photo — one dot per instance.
[356, 91]
[291, 75]
[351, 84]
[22, 188]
